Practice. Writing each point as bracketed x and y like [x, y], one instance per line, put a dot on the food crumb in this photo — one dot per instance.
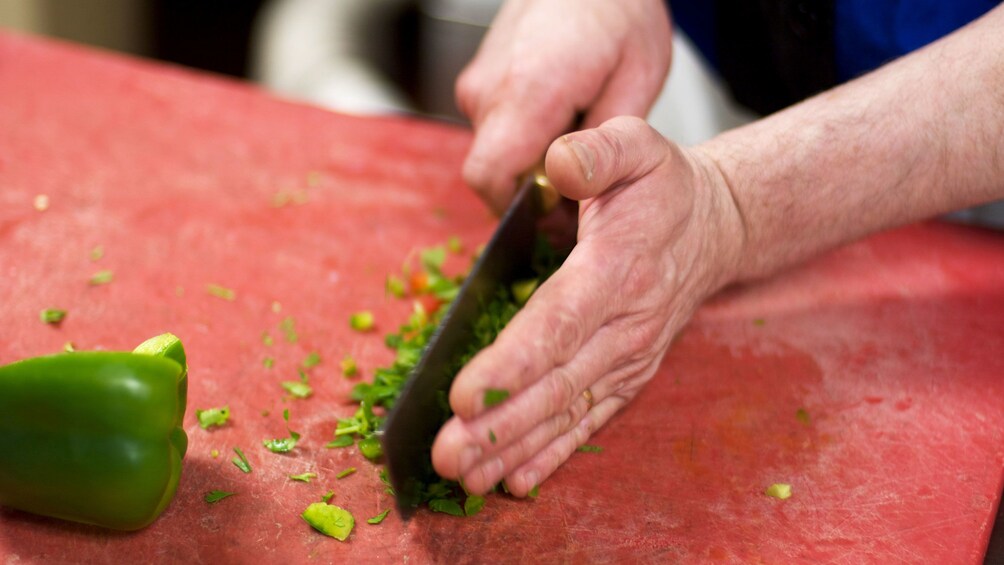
[780, 491]
[41, 202]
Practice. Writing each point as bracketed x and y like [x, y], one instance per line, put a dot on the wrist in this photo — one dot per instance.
[721, 222]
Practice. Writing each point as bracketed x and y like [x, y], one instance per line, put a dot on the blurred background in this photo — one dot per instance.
[358, 56]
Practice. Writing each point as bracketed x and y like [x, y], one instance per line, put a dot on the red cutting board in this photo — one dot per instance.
[892, 346]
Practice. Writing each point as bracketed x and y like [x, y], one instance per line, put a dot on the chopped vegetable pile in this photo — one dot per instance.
[432, 292]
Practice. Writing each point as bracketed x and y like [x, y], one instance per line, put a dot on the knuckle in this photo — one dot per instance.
[562, 323]
[562, 391]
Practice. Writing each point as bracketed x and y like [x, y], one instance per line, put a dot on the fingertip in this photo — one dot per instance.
[447, 450]
[571, 164]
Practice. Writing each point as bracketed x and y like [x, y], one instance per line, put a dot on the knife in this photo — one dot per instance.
[417, 415]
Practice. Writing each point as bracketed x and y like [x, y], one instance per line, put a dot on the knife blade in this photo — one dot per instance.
[418, 413]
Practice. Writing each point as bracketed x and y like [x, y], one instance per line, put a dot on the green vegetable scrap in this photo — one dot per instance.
[69, 347]
[345, 473]
[52, 315]
[303, 477]
[494, 397]
[534, 492]
[283, 445]
[395, 286]
[522, 290]
[370, 448]
[446, 506]
[101, 277]
[330, 520]
[340, 441]
[267, 340]
[589, 448]
[491, 437]
[268, 362]
[298, 389]
[288, 327]
[97, 253]
[349, 367]
[95, 436]
[455, 245]
[328, 496]
[780, 491]
[214, 496]
[362, 321]
[473, 504]
[213, 417]
[241, 461]
[221, 292]
[378, 518]
[312, 360]
[802, 415]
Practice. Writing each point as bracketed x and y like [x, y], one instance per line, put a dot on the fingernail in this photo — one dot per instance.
[531, 478]
[584, 155]
[494, 469]
[468, 457]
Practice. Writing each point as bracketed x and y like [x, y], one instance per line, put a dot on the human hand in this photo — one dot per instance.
[545, 62]
[658, 233]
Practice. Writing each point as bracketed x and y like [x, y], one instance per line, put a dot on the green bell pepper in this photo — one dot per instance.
[94, 437]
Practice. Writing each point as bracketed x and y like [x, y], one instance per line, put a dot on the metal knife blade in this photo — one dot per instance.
[417, 416]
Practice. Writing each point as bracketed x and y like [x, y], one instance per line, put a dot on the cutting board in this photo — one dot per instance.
[870, 379]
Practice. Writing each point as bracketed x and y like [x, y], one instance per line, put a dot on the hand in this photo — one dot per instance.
[658, 233]
[542, 64]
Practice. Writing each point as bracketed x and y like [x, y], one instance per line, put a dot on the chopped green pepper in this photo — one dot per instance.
[213, 417]
[94, 437]
[52, 315]
[378, 518]
[329, 519]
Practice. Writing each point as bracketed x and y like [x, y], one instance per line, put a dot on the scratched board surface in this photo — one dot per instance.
[871, 379]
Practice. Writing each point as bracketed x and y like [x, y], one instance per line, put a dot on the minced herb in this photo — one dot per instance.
[101, 277]
[288, 327]
[303, 477]
[241, 461]
[214, 496]
[312, 360]
[378, 518]
[341, 441]
[221, 292]
[495, 396]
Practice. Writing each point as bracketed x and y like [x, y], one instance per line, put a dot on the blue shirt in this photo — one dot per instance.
[867, 33]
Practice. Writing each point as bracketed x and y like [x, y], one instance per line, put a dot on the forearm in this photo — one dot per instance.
[921, 136]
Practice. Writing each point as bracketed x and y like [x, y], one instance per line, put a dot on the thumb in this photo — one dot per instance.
[587, 163]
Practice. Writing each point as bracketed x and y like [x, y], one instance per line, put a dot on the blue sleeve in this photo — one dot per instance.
[870, 33]
[867, 33]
